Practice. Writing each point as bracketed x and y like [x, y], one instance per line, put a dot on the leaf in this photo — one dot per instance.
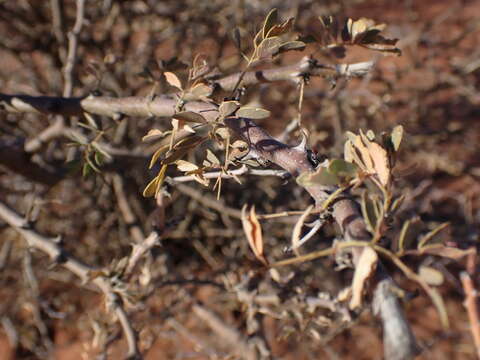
[268, 48]
[212, 157]
[190, 116]
[157, 154]
[151, 188]
[343, 169]
[280, 29]
[252, 113]
[297, 230]
[396, 136]
[367, 263]
[253, 231]
[321, 176]
[270, 21]
[291, 45]
[380, 160]
[186, 166]
[198, 92]
[153, 134]
[173, 80]
[227, 108]
[431, 275]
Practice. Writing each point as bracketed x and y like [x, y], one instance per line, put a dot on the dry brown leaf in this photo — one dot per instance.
[297, 230]
[380, 162]
[364, 270]
[431, 275]
[253, 230]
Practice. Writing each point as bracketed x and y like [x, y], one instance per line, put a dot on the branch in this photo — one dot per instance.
[399, 341]
[164, 106]
[84, 272]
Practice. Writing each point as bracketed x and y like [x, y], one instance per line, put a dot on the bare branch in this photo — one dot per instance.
[84, 272]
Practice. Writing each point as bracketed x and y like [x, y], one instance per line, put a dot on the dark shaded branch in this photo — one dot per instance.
[399, 341]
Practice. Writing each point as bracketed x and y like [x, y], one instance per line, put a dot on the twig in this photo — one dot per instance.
[84, 272]
[243, 170]
[72, 48]
[165, 106]
[470, 303]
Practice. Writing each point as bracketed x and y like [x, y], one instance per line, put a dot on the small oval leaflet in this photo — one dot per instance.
[253, 113]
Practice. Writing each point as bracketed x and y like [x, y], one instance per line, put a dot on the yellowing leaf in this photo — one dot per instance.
[154, 186]
[173, 80]
[157, 154]
[363, 271]
[253, 231]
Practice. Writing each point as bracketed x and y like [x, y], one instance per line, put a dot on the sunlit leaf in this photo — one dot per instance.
[198, 92]
[153, 134]
[364, 269]
[252, 113]
[253, 231]
[396, 137]
[186, 166]
[173, 80]
[431, 275]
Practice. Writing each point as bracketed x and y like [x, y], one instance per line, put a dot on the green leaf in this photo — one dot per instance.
[252, 113]
[342, 168]
[320, 177]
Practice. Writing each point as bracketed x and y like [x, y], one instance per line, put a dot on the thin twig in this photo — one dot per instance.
[471, 295]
